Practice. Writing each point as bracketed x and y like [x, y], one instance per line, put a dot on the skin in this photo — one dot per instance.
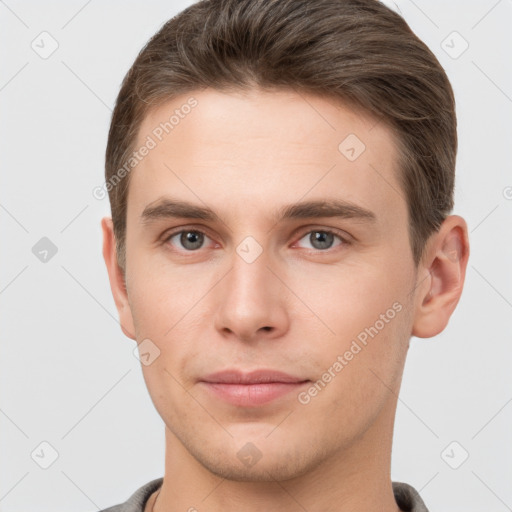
[296, 308]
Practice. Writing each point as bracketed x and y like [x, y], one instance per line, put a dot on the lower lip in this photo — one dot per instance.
[251, 395]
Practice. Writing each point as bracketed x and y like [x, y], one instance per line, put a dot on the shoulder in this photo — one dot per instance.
[138, 499]
[408, 498]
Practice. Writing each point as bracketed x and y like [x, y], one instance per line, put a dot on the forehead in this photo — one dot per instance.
[258, 148]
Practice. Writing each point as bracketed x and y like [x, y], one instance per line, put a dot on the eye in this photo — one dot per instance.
[193, 239]
[190, 239]
[322, 239]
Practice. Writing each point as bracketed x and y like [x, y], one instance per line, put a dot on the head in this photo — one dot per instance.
[234, 112]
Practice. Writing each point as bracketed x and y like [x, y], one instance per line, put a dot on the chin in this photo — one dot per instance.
[252, 464]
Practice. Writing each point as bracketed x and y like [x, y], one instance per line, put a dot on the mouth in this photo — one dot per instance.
[251, 389]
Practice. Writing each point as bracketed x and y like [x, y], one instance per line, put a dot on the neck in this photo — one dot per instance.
[355, 479]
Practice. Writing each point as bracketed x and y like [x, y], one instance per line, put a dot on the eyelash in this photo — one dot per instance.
[167, 237]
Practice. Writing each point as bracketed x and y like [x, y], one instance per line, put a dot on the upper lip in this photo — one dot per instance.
[235, 376]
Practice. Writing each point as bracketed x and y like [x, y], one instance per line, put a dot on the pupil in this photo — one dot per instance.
[191, 239]
[323, 238]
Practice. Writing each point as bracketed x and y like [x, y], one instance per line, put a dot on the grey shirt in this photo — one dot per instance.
[407, 498]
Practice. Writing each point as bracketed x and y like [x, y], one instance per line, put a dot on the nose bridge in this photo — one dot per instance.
[250, 281]
[250, 298]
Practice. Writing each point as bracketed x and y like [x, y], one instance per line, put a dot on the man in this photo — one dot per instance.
[281, 179]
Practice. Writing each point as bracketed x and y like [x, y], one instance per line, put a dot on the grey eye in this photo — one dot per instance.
[191, 240]
[321, 239]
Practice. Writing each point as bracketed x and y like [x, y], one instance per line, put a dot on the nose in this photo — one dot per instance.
[252, 301]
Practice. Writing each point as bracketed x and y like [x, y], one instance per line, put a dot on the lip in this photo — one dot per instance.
[251, 389]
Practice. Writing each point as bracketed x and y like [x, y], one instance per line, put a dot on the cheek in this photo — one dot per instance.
[363, 321]
[344, 300]
[359, 371]
[156, 314]
[163, 313]
[163, 301]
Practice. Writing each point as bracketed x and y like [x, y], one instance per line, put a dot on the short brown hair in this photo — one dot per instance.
[358, 51]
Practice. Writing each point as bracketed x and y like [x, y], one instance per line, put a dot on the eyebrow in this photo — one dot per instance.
[165, 208]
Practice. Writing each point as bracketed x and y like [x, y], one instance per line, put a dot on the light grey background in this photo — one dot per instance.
[68, 375]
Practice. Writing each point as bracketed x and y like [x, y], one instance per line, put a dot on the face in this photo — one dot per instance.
[319, 293]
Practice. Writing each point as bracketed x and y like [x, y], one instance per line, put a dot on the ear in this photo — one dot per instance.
[116, 278]
[441, 277]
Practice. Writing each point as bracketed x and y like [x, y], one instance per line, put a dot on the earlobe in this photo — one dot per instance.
[116, 278]
[446, 264]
